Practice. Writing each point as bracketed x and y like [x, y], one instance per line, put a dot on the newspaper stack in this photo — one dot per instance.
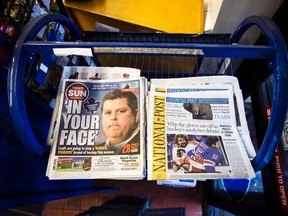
[196, 130]
[196, 127]
[98, 125]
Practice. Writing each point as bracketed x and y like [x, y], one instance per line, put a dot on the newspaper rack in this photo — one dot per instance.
[157, 55]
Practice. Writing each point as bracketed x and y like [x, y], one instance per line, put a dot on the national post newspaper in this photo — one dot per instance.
[193, 135]
[159, 138]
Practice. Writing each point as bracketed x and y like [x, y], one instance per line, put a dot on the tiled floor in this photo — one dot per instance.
[159, 197]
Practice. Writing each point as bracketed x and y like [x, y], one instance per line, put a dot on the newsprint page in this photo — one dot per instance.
[99, 129]
[192, 133]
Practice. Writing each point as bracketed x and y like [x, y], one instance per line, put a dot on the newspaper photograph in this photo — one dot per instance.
[89, 73]
[100, 130]
[241, 121]
[181, 146]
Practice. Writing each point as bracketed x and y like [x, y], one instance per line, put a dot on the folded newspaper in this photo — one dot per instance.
[192, 130]
[98, 126]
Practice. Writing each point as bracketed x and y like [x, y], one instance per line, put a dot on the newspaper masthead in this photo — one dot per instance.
[159, 139]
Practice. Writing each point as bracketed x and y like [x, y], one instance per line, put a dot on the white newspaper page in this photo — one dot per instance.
[241, 121]
[181, 146]
[100, 130]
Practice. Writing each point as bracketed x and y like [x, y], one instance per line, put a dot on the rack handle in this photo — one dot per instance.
[279, 64]
[16, 73]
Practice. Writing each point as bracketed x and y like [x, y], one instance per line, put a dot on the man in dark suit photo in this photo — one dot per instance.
[120, 122]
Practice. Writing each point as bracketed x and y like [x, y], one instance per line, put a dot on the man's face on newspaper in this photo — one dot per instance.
[181, 142]
[118, 120]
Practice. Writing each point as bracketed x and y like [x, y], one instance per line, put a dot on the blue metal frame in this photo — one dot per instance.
[275, 53]
[279, 65]
[16, 77]
[208, 50]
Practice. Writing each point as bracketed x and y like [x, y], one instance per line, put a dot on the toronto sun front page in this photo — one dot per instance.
[98, 128]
